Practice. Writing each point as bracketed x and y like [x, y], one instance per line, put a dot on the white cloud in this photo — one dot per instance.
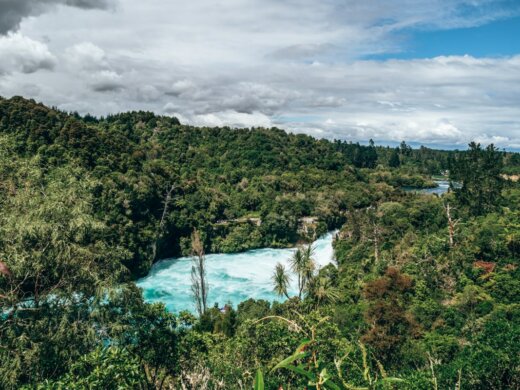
[232, 119]
[19, 53]
[86, 56]
[296, 65]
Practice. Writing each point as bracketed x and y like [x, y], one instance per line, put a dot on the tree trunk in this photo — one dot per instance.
[451, 223]
[160, 230]
[198, 274]
[376, 243]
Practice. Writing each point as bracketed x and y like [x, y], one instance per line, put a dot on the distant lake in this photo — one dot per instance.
[232, 278]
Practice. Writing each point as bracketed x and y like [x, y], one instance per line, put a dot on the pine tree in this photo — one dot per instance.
[479, 171]
[394, 161]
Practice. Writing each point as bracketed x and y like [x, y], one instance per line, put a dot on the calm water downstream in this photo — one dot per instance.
[232, 278]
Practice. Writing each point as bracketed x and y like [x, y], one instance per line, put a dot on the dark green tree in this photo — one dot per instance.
[479, 172]
[394, 161]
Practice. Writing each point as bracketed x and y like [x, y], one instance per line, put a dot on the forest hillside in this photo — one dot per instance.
[424, 292]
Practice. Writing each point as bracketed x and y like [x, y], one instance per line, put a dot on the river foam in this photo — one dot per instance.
[232, 278]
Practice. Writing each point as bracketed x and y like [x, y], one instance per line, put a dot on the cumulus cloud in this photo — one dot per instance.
[86, 56]
[297, 65]
[22, 54]
[106, 81]
[12, 12]
[180, 87]
[233, 119]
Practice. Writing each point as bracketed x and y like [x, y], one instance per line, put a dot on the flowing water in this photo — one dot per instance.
[235, 277]
[442, 187]
[232, 278]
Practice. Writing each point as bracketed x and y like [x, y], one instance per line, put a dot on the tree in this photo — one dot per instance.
[394, 161]
[162, 222]
[55, 267]
[371, 155]
[146, 330]
[479, 171]
[309, 265]
[281, 280]
[303, 265]
[451, 223]
[365, 156]
[405, 149]
[105, 368]
[199, 284]
[375, 229]
[390, 323]
[297, 266]
[322, 290]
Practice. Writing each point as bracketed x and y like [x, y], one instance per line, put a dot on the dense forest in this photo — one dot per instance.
[424, 293]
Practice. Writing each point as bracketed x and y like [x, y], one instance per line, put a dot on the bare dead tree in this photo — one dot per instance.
[376, 241]
[451, 223]
[376, 230]
[167, 200]
[199, 284]
[160, 230]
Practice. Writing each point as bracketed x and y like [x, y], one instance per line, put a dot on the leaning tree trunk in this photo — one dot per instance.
[160, 230]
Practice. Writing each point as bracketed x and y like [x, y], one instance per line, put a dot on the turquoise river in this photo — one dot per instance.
[235, 277]
[232, 278]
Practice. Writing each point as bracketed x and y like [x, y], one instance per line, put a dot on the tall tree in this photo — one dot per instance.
[371, 155]
[394, 161]
[281, 280]
[374, 229]
[297, 266]
[479, 171]
[199, 283]
[309, 265]
[304, 266]
[405, 149]
[451, 223]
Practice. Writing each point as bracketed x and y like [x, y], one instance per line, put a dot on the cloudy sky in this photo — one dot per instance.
[436, 72]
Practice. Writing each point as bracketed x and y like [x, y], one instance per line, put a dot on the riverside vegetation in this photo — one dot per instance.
[424, 293]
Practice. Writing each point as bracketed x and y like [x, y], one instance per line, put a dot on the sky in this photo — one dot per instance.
[434, 72]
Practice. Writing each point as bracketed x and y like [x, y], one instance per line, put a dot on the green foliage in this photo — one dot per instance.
[86, 204]
[479, 170]
[281, 280]
[104, 368]
[391, 326]
[394, 161]
[259, 380]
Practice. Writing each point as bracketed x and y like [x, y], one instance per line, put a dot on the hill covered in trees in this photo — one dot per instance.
[154, 180]
[424, 295]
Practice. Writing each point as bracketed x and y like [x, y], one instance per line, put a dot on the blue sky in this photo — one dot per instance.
[432, 72]
[495, 39]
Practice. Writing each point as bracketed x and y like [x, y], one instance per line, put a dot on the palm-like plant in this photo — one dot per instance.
[309, 264]
[323, 291]
[298, 267]
[281, 280]
[304, 266]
